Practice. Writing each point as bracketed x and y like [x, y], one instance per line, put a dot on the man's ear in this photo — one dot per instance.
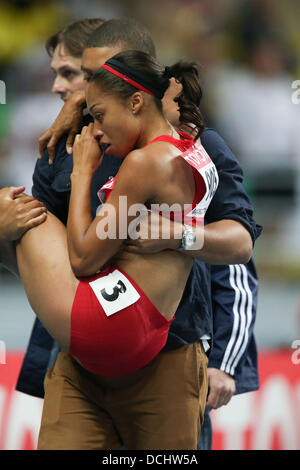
[136, 102]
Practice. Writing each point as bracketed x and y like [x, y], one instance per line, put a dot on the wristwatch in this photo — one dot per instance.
[188, 238]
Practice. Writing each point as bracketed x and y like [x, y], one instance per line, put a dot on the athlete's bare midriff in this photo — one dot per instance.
[162, 276]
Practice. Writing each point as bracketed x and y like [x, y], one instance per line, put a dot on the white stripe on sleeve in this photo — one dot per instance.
[242, 312]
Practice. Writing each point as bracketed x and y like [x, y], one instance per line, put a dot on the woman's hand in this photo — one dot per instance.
[87, 153]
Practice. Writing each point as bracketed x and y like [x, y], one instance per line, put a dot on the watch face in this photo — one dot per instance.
[190, 238]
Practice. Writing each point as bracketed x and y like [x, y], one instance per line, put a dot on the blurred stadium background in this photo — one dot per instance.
[249, 51]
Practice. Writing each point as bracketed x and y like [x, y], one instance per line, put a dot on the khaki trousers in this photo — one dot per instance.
[161, 406]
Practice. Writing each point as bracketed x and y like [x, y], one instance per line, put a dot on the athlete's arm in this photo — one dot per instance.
[68, 121]
[92, 243]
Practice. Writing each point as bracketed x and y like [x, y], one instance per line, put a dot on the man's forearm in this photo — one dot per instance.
[8, 257]
[222, 242]
[225, 242]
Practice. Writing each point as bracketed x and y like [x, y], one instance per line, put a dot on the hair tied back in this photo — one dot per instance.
[168, 73]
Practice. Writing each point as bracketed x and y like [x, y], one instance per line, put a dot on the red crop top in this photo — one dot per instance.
[205, 175]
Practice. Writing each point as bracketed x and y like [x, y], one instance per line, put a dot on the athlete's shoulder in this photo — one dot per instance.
[146, 165]
[154, 155]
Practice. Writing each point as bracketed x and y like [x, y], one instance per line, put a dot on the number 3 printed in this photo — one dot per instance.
[120, 288]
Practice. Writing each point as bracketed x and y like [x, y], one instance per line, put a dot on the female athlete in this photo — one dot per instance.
[110, 308]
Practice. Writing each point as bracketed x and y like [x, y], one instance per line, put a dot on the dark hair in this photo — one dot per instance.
[73, 36]
[126, 32]
[159, 77]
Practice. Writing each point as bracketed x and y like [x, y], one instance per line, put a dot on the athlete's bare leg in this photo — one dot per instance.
[47, 276]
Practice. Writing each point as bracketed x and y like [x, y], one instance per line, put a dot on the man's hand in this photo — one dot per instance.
[155, 233]
[18, 213]
[221, 388]
[68, 121]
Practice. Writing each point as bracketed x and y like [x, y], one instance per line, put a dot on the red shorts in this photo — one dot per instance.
[115, 328]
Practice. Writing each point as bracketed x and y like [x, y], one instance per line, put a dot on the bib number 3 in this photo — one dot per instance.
[114, 292]
[120, 288]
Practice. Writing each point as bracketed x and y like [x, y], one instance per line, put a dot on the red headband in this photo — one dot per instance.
[126, 79]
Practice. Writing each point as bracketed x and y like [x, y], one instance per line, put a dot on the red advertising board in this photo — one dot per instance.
[266, 419]
[20, 414]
